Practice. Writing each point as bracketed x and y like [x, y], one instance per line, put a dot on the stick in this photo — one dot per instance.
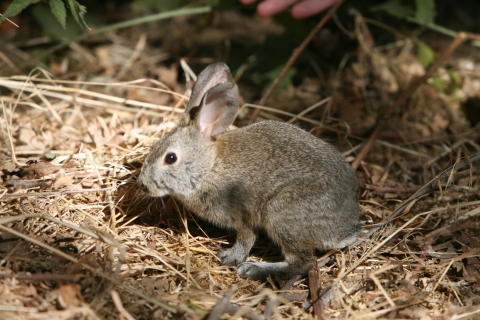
[315, 287]
[406, 94]
[41, 277]
[233, 308]
[429, 187]
[222, 304]
[273, 304]
[12, 196]
[295, 54]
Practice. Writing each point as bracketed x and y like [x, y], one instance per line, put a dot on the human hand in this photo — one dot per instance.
[300, 8]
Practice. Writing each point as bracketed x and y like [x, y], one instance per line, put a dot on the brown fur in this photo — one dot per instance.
[269, 175]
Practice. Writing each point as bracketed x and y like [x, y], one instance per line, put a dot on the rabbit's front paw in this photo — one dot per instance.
[231, 257]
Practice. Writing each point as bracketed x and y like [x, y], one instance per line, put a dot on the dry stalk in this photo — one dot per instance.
[433, 185]
[118, 303]
[407, 93]
[60, 253]
[315, 287]
[222, 304]
[295, 54]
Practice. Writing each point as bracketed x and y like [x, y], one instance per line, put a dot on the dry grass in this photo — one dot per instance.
[79, 241]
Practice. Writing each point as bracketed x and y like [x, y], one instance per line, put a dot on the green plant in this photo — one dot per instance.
[58, 8]
[422, 10]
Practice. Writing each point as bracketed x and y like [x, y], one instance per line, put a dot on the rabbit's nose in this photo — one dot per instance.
[141, 182]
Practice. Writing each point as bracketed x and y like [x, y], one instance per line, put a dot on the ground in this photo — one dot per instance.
[80, 241]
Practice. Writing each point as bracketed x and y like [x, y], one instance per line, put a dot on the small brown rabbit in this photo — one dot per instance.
[269, 175]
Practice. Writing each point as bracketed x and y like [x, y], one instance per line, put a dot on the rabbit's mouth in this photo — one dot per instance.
[158, 193]
[151, 187]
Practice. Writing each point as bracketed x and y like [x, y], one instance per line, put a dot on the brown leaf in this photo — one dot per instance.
[371, 295]
[8, 167]
[40, 169]
[28, 184]
[64, 181]
[88, 183]
[69, 295]
[168, 75]
[416, 313]
[144, 94]
[29, 137]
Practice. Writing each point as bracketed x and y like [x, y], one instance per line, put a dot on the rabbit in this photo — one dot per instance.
[267, 176]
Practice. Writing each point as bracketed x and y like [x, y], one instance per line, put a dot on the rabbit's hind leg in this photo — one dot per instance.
[291, 266]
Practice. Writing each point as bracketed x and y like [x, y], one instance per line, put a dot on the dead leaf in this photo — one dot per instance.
[168, 75]
[371, 295]
[39, 169]
[64, 181]
[8, 167]
[29, 137]
[144, 94]
[69, 295]
[416, 313]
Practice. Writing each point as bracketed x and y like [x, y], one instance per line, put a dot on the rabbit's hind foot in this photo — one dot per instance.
[261, 270]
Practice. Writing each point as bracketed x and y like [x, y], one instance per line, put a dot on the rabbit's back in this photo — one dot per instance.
[272, 153]
[275, 176]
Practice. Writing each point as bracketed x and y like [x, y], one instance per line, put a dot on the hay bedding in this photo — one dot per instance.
[78, 240]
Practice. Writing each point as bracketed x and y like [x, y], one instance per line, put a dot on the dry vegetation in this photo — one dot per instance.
[79, 241]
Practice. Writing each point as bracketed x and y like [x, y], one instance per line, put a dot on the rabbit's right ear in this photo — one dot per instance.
[212, 75]
[217, 110]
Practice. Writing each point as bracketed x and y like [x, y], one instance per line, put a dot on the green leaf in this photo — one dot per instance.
[455, 77]
[425, 9]
[425, 54]
[213, 3]
[454, 84]
[197, 308]
[50, 25]
[273, 74]
[78, 11]
[396, 8]
[163, 5]
[58, 10]
[438, 83]
[16, 7]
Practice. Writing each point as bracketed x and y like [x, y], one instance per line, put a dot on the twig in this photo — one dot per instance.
[373, 276]
[249, 314]
[222, 305]
[27, 184]
[429, 187]
[116, 26]
[295, 54]
[432, 185]
[271, 304]
[16, 25]
[315, 288]
[407, 93]
[381, 190]
[8, 197]
[119, 305]
[154, 301]
[370, 252]
[458, 224]
[41, 277]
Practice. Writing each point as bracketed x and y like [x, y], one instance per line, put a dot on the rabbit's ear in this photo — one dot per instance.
[211, 76]
[217, 109]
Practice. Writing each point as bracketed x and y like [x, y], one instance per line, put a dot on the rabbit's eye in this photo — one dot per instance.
[170, 158]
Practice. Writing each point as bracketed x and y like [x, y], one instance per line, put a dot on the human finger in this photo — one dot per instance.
[247, 1]
[308, 8]
[269, 8]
